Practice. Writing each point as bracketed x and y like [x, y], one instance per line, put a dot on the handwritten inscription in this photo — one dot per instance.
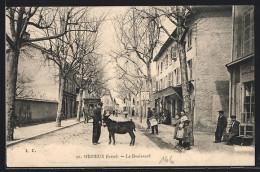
[166, 159]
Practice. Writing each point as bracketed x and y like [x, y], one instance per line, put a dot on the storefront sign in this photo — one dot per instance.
[247, 72]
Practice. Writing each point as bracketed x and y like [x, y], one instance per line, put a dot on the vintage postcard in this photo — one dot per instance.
[130, 86]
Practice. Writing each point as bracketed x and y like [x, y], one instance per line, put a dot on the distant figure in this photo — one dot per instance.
[149, 115]
[221, 126]
[154, 124]
[233, 131]
[97, 123]
[133, 112]
[114, 113]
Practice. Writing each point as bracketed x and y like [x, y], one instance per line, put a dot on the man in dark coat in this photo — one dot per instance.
[97, 123]
[149, 115]
[221, 126]
[233, 131]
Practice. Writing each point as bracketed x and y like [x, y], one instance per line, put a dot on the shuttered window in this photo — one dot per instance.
[248, 33]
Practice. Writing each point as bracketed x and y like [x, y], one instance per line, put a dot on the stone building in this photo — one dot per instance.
[208, 49]
[241, 69]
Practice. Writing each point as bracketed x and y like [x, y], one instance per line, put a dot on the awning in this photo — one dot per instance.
[240, 60]
[169, 91]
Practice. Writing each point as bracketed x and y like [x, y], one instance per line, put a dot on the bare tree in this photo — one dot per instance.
[68, 51]
[180, 17]
[21, 19]
[22, 86]
[138, 35]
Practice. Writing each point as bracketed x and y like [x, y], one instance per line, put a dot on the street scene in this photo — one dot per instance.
[130, 86]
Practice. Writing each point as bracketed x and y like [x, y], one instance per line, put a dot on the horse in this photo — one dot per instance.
[120, 128]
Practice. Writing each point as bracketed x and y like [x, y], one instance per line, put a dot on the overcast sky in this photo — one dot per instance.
[109, 42]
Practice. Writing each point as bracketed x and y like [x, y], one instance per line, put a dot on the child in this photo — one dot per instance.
[186, 135]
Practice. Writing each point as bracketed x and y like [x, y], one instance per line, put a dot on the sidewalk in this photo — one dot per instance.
[25, 133]
[203, 141]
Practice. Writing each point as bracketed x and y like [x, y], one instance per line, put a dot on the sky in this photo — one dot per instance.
[109, 40]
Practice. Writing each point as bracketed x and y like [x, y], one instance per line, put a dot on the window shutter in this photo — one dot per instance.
[239, 35]
[252, 33]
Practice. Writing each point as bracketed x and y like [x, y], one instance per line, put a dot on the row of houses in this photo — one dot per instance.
[220, 62]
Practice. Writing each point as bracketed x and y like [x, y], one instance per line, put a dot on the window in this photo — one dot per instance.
[248, 32]
[158, 69]
[189, 41]
[157, 86]
[173, 52]
[166, 61]
[190, 69]
[161, 84]
[178, 76]
[161, 67]
[175, 77]
[169, 59]
[166, 81]
[170, 79]
[249, 103]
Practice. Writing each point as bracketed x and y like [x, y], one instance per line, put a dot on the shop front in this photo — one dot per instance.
[243, 95]
[168, 103]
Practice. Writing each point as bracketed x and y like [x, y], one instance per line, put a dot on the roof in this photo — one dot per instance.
[36, 100]
[165, 45]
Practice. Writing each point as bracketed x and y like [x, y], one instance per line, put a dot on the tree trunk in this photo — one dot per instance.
[11, 78]
[150, 86]
[60, 100]
[79, 112]
[185, 85]
[141, 109]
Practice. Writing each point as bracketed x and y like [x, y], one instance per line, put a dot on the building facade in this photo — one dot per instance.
[208, 49]
[241, 69]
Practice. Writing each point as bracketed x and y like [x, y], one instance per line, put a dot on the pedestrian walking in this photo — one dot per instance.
[154, 121]
[97, 123]
[221, 126]
[149, 115]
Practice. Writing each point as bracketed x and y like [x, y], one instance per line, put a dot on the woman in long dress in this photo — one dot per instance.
[178, 132]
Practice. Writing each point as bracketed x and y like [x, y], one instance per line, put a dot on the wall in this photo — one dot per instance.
[30, 111]
[211, 76]
[43, 73]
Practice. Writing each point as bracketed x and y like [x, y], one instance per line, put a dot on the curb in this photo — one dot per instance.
[40, 135]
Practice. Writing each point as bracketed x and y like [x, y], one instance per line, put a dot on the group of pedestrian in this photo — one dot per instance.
[231, 136]
[182, 131]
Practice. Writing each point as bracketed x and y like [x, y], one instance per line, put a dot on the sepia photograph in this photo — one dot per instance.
[130, 86]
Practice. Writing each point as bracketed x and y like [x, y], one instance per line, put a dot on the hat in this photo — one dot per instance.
[233, 116]
[187, 121]
[221, 111]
